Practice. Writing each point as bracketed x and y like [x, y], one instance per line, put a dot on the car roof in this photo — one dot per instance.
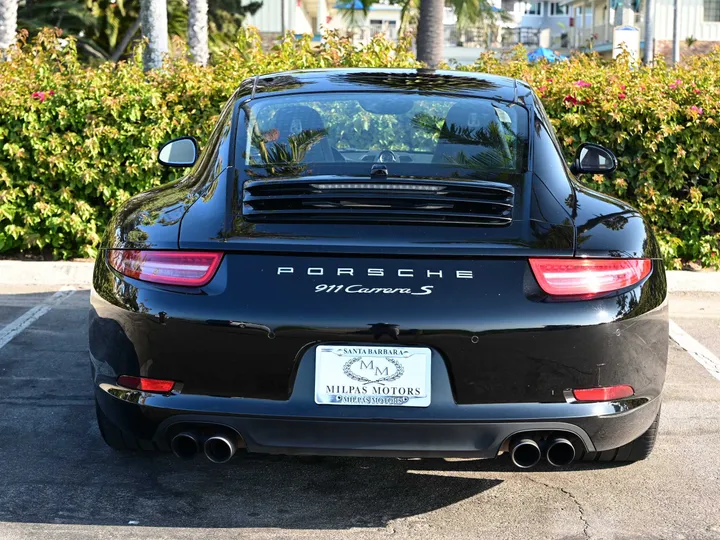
[420, 80]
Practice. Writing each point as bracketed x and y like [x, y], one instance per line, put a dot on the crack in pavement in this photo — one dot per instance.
[581, 510]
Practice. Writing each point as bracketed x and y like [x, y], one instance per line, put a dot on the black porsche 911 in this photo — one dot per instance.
[380, 262]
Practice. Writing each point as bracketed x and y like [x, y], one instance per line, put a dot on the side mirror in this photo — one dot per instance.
[181, 152]
[593, 159]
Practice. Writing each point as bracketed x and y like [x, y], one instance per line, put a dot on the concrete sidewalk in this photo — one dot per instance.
[58, 273]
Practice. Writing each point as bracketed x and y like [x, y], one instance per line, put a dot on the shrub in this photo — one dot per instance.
[77, 141]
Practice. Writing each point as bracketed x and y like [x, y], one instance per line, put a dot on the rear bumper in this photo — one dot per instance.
[444, 429]
[243, 349]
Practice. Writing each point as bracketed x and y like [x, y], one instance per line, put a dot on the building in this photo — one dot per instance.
[535, 24]
[382, 18]
[539, 24]
[276, 17]
[594, 20]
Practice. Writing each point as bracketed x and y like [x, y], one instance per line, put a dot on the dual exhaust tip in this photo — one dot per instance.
[217, 448]
[526, 453]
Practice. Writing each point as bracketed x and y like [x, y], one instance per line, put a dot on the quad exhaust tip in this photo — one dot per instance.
[220, 448]
[185, 445]
[525, 453]
[560, 452]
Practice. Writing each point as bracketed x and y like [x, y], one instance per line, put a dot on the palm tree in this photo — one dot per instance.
[430, 32]
[107, 29]
[198, 31]
[154, 24]
[8, 24]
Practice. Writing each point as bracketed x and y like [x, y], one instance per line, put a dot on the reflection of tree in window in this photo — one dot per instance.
[284, 158]
[495, 142]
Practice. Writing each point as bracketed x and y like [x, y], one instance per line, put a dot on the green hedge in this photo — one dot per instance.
[75, 141]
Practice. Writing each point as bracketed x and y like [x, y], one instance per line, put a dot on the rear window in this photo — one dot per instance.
[288, 134]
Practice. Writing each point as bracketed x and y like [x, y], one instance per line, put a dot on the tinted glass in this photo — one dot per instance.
[341, 130]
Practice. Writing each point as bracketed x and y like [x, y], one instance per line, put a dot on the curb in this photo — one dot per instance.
[683, 281]
[46, 273]
[80, 274]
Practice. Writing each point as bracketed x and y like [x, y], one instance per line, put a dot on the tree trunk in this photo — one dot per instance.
[153, 19]
[430, 32]
[8, 24]
[198, 31]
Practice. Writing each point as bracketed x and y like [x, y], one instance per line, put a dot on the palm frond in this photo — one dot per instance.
[72, 16]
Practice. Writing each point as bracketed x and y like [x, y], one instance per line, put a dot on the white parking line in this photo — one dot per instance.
[32, 315]
[696, 349]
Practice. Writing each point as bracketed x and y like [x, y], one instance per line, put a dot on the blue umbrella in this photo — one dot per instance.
[543, 52]
[356, 4]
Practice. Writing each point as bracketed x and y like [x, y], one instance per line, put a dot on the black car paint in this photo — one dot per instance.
[508, 350]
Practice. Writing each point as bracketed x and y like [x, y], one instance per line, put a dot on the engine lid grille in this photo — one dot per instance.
[359, 200]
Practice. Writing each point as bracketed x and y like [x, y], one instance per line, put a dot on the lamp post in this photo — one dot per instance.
[676, 33]
[649, 32]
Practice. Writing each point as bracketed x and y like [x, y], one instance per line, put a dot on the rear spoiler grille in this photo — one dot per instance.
[361, 200]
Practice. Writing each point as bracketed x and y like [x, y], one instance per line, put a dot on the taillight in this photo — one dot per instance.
[566, 277]
[145, 384]
[604, 393]
[184, 268]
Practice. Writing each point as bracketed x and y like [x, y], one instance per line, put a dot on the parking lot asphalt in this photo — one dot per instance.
[58, 480]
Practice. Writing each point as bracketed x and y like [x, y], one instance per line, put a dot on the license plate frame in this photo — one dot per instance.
[373, 375]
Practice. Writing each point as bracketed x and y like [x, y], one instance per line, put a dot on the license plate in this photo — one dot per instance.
[372, 375]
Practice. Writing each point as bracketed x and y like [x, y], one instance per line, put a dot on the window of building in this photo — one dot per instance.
[535, 8]
[558, 10]
[711, 10]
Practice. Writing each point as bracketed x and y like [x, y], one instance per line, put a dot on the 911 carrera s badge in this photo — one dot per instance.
[357, 288]
[379, 370]
[372, 375]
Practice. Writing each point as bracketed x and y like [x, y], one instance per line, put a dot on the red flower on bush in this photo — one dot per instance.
[571, 100]
[697, 110]
[42, 96]
[582, 84]
[621, 95]
[696, 90]
[542, 89]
